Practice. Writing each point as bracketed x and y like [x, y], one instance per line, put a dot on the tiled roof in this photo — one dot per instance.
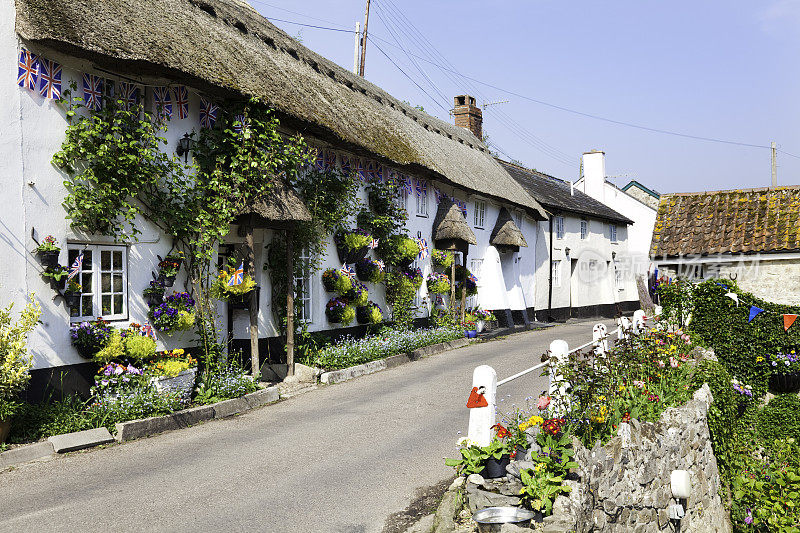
[555, 194]
[738, 221]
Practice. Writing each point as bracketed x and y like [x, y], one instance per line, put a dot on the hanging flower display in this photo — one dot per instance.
[370, 270]
[334, 280]
[369, 314]
[358, 295]
[175, 314]
[438, 283]
[338, 310]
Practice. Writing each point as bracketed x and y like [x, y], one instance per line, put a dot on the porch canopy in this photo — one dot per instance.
[450, 228]
[506, 236]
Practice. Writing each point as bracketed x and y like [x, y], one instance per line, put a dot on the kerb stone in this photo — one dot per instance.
[23, 454]
[231, 407]
[70, 442]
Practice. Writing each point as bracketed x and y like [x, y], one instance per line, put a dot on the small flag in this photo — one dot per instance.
[240, 123]
[163, 102]
[788, 320]
[28, 72]
[208, 113]
[421, 186]
[76, 266]
[407, 185]
[348, 271]
[238, 276]
[330, 159]
[319, 159]
[369, 171]
[129, 95]
[733, 296]
[378, 173]
[361, 170]
[461, 205]
[438, 195]
[50, 79]
[754, 311]
[182, 101]
[380, 264]
[373, 243]
[93, 91]
[344, 162]
[147, 331]
[423, 248]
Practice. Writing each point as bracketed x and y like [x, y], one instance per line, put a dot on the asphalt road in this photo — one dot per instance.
[338, 459]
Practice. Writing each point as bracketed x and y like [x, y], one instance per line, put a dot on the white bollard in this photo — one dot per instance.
[559, 352]
[638, 322]
[624, 326]
[599, 339]
[659, 310]
[481, 419]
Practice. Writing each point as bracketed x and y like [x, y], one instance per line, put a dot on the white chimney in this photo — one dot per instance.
[594, 174]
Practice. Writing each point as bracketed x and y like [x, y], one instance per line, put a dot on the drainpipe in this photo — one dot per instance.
[550, 276]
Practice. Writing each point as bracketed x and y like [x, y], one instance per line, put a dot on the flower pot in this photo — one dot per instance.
[59, 284]
[183, 383]
[520, 453]
[168, 281]
[496, 467]
[5, 429]
[479, 326]
[242, 301]
[785, 382]
[73, 299]
[351, 256]
[471, 334]
[154, 299]
[49, 259]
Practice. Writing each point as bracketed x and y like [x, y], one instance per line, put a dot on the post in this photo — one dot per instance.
[774, 149]
[357, 46]
[481, 419]
[638, 321]
[463, 299]
[624, 325]
[599, 339]
[453, 287]
[559, 352]
[364, 42]
[290, 303]
[255, 362]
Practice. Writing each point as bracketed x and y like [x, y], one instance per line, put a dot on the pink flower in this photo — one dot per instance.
[673, 362]
[543, 402]
[639, 384]
[660, 363]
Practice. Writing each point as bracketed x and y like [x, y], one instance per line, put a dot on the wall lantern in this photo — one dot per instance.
[613, 255]
[566, 250]
[681, 486]
[185, 145]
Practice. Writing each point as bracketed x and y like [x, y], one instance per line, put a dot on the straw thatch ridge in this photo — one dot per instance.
[282, 205]
[506, 232]
[226, 48]
[450, 224]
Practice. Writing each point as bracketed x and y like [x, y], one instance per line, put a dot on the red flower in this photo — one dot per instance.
[543, 402]
[502, 432]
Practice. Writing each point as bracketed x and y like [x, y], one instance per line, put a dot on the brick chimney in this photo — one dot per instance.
[468, 115]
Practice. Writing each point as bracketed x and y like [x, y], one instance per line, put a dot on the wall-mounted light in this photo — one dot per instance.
[185, 145]
[681, 486]
[566, 250]
[613, 255]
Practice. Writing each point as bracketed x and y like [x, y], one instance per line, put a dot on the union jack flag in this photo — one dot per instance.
[421, 187]
[128, 95]
[463, 206]
[344, 163]
[423, 248]
[238, 276]
[380, 264]
[348, 271]
[147, 331]
[373, 243]
[28, 73]
[239, 123]
[407, 185]
[182, 101]
[163, 102]
[50, 79]
[438, 194]
[76, 267]
[208, 113]
[319, 159]
[93, 91]
[369, 171]
[377, 174]
[391, 177]
[330, 159]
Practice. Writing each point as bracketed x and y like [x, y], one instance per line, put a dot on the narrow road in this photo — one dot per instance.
[339, 459]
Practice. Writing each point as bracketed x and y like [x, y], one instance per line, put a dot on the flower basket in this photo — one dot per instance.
[167, 281]
[359, 295]
[785, 382]
[183, 383]
[73, 299]
[398, 250]
[438, 283]
[154, 299]
[369, 270]
[369, 314]
[49, 258]
[57, 276]
[339, 311]
[442, 258]
[334, 280]
[496, 467]
[352, 246]
[242, 301]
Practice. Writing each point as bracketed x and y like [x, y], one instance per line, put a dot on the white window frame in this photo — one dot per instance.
[422, 202]
[612, 233]
[584, 229]
[559, 226]
[96, 272]
[402, 198]
[556, 273]
[306, 280]
[479, 217]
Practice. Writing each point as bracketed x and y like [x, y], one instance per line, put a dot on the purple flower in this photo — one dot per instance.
[749, 518]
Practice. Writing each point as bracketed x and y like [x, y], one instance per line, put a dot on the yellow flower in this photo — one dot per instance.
[759, 359]
[621, 387]
[535, 421]
[523, 426]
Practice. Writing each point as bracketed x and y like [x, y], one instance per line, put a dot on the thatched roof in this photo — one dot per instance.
[283, 205]
[227, 48]
[451, 225]
[506, 232]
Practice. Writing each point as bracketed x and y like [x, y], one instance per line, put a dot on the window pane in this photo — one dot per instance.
[117, 283]
[105, 282]
[117, 304]
[105, 260]
[87, 260]
[86, 306]
[106, 305]
[118, 261]
[74, 311]
[86, 282]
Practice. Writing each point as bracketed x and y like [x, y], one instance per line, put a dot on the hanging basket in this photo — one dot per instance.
[242, 301]
[49, 258]
[168, 281]
[73, 299]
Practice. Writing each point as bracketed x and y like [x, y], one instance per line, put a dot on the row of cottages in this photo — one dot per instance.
[204, 51]
[750, 235]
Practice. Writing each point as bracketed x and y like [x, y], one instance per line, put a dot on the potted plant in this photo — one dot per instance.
[398, 250]
[237, 296]
[358, 295]
[438, 283]
[168, 268]
[370, 270]
[488, 461]
[442, 258]
[90, 337]
[469, 328]
[15, 363]
[352, 245]
[339, 311]
[116, 378]
[481, 318]
[465, 279]
[57, 276]
[72, 294]
[138, 343]
[785, 372]
[154, 294]
[369, 314]
[334, 280]
[48, 251]
[173, 371]
[414, 275]
[176, 313]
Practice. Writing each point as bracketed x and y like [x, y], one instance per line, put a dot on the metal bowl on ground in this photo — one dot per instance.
[492, 519]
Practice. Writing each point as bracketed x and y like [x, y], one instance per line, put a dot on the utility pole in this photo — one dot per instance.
[774, 164]
[357, 48]
[364, 42]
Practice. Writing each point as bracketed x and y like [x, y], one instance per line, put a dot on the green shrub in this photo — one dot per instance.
[114, 349]
[356, 240]
[780, 419]
[33, 422]
[398, 250]
[139, 347]
[15, 364]
[442, 258]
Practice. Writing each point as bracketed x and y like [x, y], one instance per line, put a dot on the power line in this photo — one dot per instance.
[412, 80]
[309, 25]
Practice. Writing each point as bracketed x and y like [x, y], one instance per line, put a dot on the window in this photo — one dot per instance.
[584, 230]
[402, 197]
[303, 289]
[422, 198]
[480, 213]
[104, 282]
[556, 274]
[559, 227]
[612, 232]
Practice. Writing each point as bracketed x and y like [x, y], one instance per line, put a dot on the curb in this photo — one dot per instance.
[352, 372]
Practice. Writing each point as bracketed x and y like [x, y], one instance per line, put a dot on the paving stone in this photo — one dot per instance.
[70, 442]
[23, 454]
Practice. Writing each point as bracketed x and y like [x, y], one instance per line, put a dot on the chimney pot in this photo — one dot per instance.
[468, 115]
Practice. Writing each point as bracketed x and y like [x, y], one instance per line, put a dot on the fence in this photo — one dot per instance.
[484, 379]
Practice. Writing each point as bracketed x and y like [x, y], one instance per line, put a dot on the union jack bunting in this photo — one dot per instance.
[421, 186]
[407, 185]
[391, 176]
[344, 163]
[208, 113]
[28, 73]
[238, 276]
[330, 159]
[182, 101]
[240, 123]
[380, 265]
[369, 168]
[319, 159]
[93, 91]
[50, 79]
[461, 205]
[437, 194]
[348, 271]
[76, 266]
[147, 331]
[377, 174]
[373, 243]
[128, 95]
[163, 102]
[361, 169]
[423, 248]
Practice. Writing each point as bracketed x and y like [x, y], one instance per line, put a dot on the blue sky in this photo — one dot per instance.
[727, 70]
